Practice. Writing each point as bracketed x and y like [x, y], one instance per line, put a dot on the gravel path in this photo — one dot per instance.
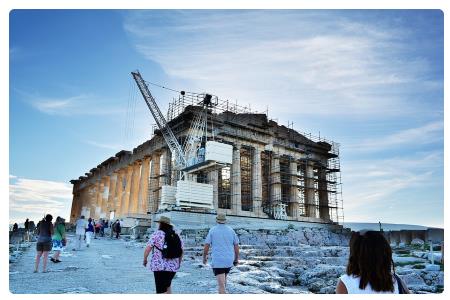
[107, 266]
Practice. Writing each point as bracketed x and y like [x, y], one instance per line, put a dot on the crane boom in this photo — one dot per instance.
[167, 133]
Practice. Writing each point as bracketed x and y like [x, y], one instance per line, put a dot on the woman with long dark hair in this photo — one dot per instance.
[167, 249]
[370, 268]
[44, 242]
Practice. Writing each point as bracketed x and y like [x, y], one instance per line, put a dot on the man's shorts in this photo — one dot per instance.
[218, 271]
[46, 246]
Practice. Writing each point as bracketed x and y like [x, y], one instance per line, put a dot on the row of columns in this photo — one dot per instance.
[133, 189]
[310, 188]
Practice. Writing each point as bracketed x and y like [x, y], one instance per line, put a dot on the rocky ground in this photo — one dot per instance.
[283, 261]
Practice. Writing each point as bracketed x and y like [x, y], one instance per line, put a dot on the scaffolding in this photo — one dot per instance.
[303, 187]
[179, 105]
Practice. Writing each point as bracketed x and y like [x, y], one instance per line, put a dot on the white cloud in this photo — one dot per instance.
[114, 147]
[324, 64]
[83, 104]
[375, 183]
[426, 134]
[34, 198]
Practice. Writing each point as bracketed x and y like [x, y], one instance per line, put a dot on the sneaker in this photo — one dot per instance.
[87, 245]
[53, 260]
[35, 271]
[57, 261]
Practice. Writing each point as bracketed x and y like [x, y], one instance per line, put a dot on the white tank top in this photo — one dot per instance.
[351, 282]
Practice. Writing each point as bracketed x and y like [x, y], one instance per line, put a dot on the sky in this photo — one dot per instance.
[371, 80]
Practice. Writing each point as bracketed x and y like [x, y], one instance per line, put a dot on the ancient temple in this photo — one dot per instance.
[276, 172]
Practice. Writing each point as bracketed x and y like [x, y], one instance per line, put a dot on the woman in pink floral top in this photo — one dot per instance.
[164, 269]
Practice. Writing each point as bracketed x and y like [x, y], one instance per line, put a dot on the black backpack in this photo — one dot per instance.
[172, 246]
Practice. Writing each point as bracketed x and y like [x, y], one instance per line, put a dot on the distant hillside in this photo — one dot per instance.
[386, 226]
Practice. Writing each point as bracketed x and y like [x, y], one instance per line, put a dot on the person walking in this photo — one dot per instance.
[167, 255]
[370, 268]
[117, 228]
[79, 232]
[224, 245]
[27, 230]
[44, 242]
[89, 231]
[58, 239]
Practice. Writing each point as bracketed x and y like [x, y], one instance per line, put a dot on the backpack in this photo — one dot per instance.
[117, 226]
[90, 227]
[172, 246]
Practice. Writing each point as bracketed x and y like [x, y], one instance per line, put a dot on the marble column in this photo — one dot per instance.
[213, 178]
[134, 191]
[143, 186]
[119, 193]
[154, 182]
[236, 204]
[275, 180]
[164, 169]
[293, 199]
[105, 194]
[324, 210]
[310, 203]
[112, 196]
[257, 181]
[126, 194]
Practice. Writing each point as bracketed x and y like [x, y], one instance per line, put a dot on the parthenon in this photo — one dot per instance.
[271, 164]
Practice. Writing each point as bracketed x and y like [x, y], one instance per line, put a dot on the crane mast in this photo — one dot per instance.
[163, 126]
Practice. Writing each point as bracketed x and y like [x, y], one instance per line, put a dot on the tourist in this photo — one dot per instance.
[15, 227]
[27, 230]
[79, 232]
[224, 245]
[167, 255]
[103, 224]
[89, 231]
[58, 238]
[44, 242]
[370, 268]
[97, 227]
[111, 229]
[117, 228]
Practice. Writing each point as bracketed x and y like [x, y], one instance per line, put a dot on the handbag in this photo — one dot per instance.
[402, 289]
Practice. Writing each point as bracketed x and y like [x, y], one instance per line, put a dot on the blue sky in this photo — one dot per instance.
[370, 80]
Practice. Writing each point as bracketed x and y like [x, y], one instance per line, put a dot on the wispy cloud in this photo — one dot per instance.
[316, 59]
[33, 198]
[114, 147]
[375, 182]
[82, 104]
[427, 134]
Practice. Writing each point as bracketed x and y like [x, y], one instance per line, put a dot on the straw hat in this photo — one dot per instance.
[164, 219]
[221, 218]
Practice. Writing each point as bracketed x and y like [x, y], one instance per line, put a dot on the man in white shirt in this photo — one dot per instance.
[225, 251]
[79, 232]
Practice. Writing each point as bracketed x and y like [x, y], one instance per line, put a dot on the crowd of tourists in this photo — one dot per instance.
[370, 268]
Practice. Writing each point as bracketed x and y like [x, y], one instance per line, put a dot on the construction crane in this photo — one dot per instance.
[198, 154]
[167, 133]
